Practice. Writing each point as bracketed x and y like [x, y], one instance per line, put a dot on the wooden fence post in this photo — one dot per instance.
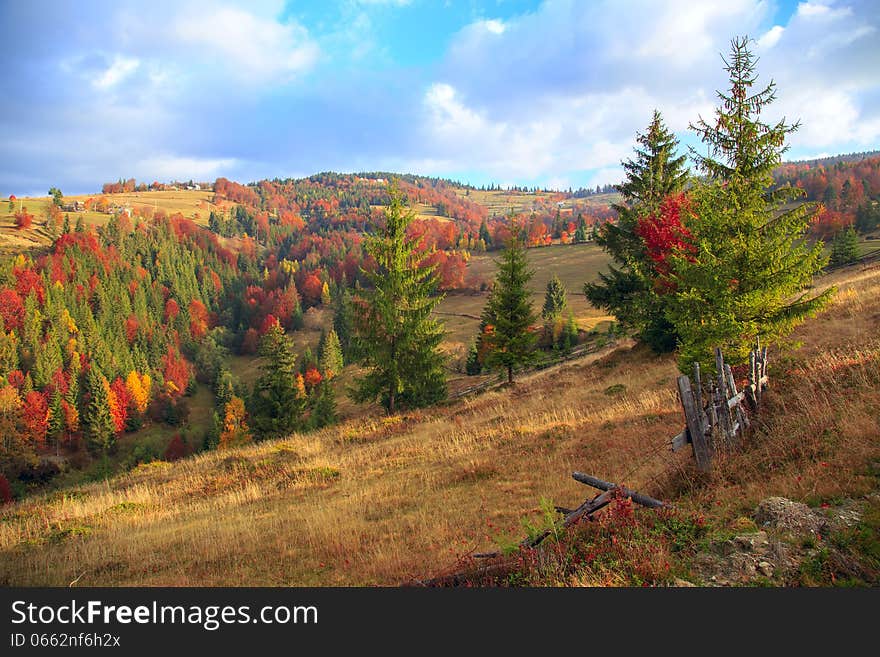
[723, 410]
[694, 424]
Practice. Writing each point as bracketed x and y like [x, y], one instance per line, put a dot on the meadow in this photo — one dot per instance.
[384, 500]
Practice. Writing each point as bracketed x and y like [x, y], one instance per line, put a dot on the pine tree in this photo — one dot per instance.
[472, 365]
[330, 355]
[395, 336]
[343, 322]
[100, 430]
[627, 290]
[845, 247]
[324, 409]
[56, 417]
[277, 407]
[508, 315]
[485, 235]
[555, 302]
[749, 269]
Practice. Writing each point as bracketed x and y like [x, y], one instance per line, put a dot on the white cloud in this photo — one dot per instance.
[494, 26]
[173, 167]
[254, 47]
[771, 37]
[582, 78]
[119, 70]
[818, 10]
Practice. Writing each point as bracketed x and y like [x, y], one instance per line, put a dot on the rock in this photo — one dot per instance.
[765, 568]
[683, 583]
[784, 514]
[751, 542]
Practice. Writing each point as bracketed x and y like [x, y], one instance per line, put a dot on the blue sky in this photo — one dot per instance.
[514, 92]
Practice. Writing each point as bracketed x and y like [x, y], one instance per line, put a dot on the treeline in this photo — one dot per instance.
[131, 185]
[847, 187]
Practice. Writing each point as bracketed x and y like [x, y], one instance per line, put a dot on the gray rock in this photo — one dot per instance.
[783, 514]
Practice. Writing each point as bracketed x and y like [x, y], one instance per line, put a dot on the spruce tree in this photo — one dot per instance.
[100, 430]
[845, 247]
[750, 267]
[509, 315]
[343, 322]
[330, 355]
[555, 302]
[627, 290]
[276, 405]
[395, 337]
[56, 417]
[324, 409]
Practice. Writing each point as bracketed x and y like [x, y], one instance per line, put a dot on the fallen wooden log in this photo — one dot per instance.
[638, 498]
[589, 507]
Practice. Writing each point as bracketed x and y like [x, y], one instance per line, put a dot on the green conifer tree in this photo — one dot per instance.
[396, 337]
[509, 314]
[330, 355]
[276, 405]
[626, 291]
[845, 247]
[555, 302]
[750, 267]
[99, 428]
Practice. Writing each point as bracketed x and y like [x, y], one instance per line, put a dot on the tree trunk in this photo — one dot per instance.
[510, 373]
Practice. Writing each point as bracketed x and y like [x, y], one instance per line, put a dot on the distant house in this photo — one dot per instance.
[75, 206]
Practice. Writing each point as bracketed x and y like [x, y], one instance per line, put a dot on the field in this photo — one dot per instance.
[382, 500]
[191, 204]
[575, 264]
[503, 202]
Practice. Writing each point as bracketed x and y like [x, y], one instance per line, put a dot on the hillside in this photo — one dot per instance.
[386, 500]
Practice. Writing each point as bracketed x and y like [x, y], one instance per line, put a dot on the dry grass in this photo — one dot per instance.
[382, 500]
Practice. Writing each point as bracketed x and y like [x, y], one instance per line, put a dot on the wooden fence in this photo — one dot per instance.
[716, 413]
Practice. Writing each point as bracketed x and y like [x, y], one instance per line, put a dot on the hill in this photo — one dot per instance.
[386, 500]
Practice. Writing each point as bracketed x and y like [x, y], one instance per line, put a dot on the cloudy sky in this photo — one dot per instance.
[509, 91]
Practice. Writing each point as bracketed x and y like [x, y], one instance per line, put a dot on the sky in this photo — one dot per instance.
[540, 93]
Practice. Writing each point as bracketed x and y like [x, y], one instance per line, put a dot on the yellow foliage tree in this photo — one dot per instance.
[140, 396]
[235, 430]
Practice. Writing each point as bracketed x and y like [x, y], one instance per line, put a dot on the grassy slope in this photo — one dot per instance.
[377, 501]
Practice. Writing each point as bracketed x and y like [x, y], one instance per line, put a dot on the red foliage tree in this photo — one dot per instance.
[120, 402]
[313, 377]
[26, 281]
[250, 342]
[176, 370]
[198, 316]
[131, 328]
[311, 289]
[172, 310]
[268, 322]
[23, 219]
[176, 449]
[15, 378]
[35, 413]
[664, 232]
[11, 309]
[5, 490]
